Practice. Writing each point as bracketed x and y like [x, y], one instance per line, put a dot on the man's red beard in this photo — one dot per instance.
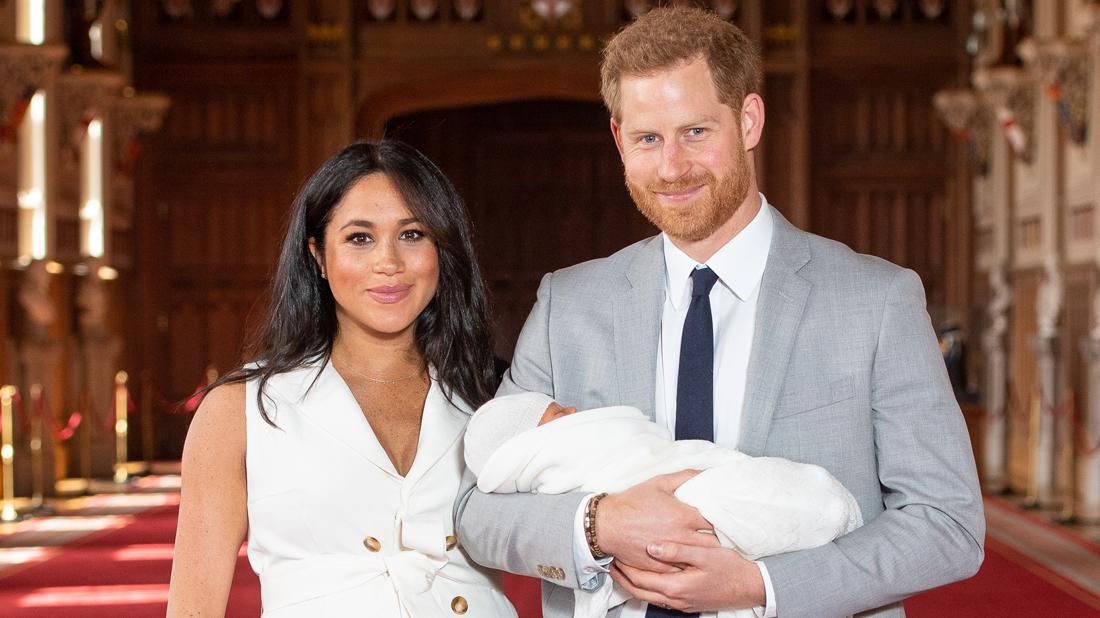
[700, 220]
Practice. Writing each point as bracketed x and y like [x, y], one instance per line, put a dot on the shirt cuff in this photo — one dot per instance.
[768, 611]
[591, 573]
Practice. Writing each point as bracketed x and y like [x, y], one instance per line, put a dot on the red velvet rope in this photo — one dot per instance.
[19, 413]
[60, 432]
[186, 406]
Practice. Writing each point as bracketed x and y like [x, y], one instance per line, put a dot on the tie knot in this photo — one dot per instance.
[702, 280]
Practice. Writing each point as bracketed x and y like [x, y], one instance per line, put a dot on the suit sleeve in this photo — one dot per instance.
[932, 529]
[521, 532]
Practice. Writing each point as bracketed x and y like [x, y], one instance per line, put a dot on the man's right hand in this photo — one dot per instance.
[627, 522]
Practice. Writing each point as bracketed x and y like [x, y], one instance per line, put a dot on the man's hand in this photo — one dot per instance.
[627, 522]
[708, 579]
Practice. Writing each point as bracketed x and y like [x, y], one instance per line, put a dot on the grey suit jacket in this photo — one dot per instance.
[844, 373]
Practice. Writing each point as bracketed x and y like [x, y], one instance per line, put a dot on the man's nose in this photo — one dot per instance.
[674, 162]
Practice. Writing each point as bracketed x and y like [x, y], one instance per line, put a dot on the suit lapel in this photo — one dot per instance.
[782, 300]
[638, 327]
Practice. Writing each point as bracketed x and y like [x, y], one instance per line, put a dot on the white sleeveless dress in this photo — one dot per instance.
[335, 531]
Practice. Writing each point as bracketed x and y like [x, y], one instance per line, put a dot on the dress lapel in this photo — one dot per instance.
[783, 295]
[638, 327]
[329, 405]
[440, 427]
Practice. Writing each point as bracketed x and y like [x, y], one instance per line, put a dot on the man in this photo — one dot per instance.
[736, 327]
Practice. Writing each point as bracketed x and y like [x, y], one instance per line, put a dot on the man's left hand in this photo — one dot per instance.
[709, 579]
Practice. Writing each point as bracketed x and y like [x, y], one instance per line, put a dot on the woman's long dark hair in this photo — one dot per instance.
[452, 332]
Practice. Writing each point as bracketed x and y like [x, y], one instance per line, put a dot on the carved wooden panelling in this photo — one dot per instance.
[67, 236]
[9, 224]
[876, 117]
[231, 115]
[879, 171]
[227, 226]
[903, 224]
[544, 185]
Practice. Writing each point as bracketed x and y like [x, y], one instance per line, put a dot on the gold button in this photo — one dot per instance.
[459, 605]
[452, 542]
[372, 543]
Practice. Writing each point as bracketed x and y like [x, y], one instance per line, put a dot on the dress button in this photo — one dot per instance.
[452, 542]
[372, 543]
[459, 605]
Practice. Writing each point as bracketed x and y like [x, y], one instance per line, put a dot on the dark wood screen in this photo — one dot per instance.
[544, 186]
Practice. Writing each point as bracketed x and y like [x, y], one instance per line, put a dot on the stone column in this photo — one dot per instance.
[994, 439]
[1044, 345]
[1088, 463]
[39, 352]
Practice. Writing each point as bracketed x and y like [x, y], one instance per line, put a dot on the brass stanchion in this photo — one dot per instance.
[7, 453]
[38, 463]
[121, 428]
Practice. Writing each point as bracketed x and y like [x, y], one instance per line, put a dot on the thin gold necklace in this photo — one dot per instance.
[382, 381]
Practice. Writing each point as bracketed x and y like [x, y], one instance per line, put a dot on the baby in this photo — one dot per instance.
[759, 506]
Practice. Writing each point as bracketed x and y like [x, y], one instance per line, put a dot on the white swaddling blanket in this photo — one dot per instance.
[759, 506]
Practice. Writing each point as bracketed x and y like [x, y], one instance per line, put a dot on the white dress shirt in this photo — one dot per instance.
[739, 265]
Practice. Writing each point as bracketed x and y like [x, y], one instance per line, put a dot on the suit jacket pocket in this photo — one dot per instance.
[814, 396]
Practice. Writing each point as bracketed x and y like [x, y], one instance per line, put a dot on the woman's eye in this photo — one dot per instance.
[358, 238]
[412, 235]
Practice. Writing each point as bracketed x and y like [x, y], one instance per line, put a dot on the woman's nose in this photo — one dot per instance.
[386, 260]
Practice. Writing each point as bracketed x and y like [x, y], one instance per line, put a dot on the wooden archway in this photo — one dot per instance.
[477, 87]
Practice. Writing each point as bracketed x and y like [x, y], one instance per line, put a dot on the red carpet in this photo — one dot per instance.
[120, 573]
[125, 572]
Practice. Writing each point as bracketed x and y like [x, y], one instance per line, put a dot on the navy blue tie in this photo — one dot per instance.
[695, 384]
[695, 381]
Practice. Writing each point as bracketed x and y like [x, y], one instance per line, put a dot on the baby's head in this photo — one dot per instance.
[502, 418]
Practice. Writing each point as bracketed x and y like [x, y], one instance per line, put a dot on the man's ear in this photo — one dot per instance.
[616, 132]
[752, 120]
[317, 256]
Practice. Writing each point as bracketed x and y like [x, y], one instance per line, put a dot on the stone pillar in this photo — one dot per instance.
[1048, 378]
[99, 352]
[1042, 439]
[1088, 463]
[994, 440]
[39, 352]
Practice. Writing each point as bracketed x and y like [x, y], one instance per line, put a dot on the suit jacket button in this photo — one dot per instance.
[459, 605]
[372, 543]
[452, 542]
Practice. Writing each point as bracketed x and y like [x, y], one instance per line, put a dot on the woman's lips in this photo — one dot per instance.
[389, 294]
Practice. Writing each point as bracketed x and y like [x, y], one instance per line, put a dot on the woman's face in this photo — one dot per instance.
[381, 265]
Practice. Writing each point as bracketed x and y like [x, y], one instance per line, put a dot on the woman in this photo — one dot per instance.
[338, 452]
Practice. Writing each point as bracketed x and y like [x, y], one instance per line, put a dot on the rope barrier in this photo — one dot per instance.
[61, 432]
[20, 413]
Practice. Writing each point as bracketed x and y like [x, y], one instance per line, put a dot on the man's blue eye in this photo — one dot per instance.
[649, 139]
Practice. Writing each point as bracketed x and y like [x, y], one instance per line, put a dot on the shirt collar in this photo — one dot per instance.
[739, 264]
